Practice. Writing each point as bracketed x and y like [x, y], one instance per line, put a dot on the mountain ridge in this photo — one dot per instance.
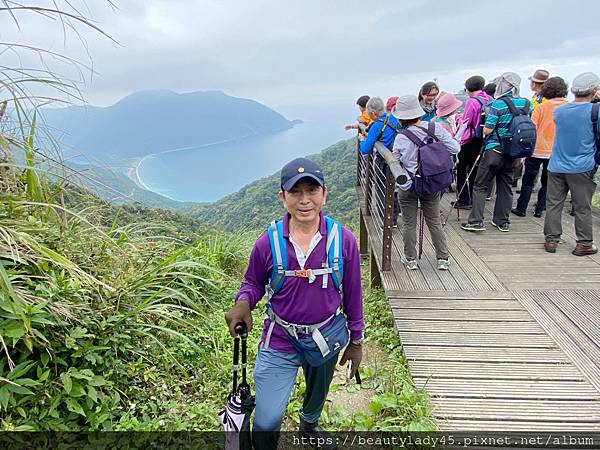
[148, 122]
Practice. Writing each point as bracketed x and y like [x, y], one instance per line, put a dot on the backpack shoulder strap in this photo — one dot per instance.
[335, 258]
[479, 100]
[430, 130]
[527, 107]
[279, 256]
[510, 105]
[385, 123]
[595, 112]
[412, 136]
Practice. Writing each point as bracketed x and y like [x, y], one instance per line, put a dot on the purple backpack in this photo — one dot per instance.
[434, 163]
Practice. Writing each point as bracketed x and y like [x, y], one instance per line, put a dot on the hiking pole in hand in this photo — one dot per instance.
[240, 331]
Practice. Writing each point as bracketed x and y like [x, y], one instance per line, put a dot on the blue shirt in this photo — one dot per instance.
[499, 117]
[389, 134]
[573, 150]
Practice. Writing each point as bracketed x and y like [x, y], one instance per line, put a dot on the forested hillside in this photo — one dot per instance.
[255, 205]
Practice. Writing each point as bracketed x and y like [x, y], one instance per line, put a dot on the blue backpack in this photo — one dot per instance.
[520, 139]
[333, 266]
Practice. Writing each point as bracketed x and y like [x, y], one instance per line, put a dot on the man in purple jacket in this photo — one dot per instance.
[303, 301]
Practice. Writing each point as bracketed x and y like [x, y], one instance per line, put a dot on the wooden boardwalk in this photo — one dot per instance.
[509, 337]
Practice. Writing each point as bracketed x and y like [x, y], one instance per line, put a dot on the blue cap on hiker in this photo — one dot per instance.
[300, 168]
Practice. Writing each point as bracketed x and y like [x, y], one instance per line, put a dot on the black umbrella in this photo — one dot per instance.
[240, 403]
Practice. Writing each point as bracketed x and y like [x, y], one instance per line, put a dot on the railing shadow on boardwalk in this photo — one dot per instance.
[507, 339]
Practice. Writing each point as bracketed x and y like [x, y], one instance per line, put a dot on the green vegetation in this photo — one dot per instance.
[256, 204]
[111, 318]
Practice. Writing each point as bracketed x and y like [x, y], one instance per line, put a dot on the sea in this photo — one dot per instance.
[209, 172]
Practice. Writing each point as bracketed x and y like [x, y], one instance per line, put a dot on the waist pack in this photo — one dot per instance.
[317, 346]
[521, 134]
[434, 163]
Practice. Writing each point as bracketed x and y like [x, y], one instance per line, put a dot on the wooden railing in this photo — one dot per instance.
[377, 174]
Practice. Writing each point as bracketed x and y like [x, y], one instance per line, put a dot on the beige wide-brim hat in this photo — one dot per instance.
[407, 108]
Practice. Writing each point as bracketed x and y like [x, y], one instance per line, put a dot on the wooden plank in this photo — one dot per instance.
[501, 409]
[452, 304]
[487, 277]
[469, 327]
[484, 354]
[544, 285]
[480, 315]
[490, 340]
[566, 335]
[466, 295]
[512, 425]
[576, 309]
[499, 371]
[509, 389]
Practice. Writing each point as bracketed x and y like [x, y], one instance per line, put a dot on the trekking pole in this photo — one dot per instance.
[236, 360]
[467, 181]
[242, 331]
[421, 230]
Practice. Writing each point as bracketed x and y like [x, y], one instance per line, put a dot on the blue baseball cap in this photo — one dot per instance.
[300, 168]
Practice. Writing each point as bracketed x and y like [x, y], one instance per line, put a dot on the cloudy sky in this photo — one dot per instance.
[291, 54]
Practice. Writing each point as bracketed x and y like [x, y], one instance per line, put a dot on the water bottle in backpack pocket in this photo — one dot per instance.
[519, 141]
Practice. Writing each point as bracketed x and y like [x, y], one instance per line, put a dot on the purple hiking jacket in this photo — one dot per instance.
[298, 301]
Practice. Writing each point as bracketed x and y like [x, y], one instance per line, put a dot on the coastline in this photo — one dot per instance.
[133, 171]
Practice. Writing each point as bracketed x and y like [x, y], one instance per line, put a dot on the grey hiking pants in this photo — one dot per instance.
[493, 165]
[431, 209]
[582, 187]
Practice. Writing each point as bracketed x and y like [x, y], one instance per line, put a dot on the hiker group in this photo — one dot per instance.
[486, 143]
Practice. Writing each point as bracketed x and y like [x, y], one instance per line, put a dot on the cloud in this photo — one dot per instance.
[298, 51]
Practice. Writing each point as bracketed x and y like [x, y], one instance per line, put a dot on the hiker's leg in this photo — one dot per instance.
[486, 172]
[466, 160]
[408, 203]
[318, 380]
[431, 209]
[555, 199]
[582, 188]
[504, 195]
[517, 172]
[532, 167]
[541, 197]
[274, 376]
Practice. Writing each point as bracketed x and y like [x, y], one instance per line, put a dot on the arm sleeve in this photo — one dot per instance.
[367, 145]
[446, 138]
[352, 288]
[397, 147]
[255, 278]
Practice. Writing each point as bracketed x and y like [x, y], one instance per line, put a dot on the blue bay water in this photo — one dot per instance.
[209, 173]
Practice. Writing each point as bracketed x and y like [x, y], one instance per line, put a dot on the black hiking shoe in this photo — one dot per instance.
[476, 226]
[516, 212]
[316, 436]
[502, 227]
